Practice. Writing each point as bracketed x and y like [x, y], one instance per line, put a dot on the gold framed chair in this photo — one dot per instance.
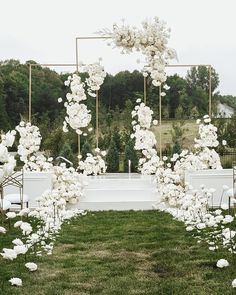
[16, 179]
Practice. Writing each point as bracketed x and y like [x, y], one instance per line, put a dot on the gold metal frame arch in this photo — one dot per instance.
[76, 65]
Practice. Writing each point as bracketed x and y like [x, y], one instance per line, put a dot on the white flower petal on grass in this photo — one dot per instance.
[222, 263]
[2, 230]
[20, 249]
[26, 228]
[31, 266]
[9, 254]
[224, 206]
[18, 223]
[24, 212]
[17, 242]
[15, 282]
[234, 283]
[10, 215]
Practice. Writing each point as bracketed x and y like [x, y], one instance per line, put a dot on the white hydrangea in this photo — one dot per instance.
[94, 164]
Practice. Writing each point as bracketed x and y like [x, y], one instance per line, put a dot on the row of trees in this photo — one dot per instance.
[187, 98]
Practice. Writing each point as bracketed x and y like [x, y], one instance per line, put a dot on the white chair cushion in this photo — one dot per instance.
[6, 204]
[15, 198]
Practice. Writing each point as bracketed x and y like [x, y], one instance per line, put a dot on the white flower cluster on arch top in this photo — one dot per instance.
[78, 116]
[151, 40]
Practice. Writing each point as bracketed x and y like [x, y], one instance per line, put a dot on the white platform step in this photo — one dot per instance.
[117, 206]
[116, 191]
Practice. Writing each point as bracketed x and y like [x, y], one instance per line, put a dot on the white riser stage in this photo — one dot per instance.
[119, 191]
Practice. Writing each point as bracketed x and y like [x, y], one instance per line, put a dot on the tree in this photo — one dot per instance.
[199, 77]
[130, 154]
[85, 150]
[177, 134]
[177, 86]
[67, 153]
[116, 138]
[112, 158]
[4, 120]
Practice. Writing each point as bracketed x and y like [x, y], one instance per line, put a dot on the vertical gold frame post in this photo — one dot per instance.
[145, 90]
[97, 121]
[160, 122]
[30, 92]
[210, 91]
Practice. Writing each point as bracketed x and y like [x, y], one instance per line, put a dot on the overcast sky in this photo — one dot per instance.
[203, 31]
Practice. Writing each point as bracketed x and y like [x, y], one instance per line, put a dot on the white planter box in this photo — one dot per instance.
[211, 179]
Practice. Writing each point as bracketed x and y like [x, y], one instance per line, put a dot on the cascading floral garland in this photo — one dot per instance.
[96, 77]
[78, 116]
[28, 148]
[145, 140]
[68, 187]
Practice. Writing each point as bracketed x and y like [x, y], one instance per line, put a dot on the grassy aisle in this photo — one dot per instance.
[123, 253]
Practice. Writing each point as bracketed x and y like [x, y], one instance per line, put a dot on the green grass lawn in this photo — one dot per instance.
[122, 253]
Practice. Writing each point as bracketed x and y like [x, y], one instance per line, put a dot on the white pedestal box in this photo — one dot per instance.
[35, 184]
[211, 179]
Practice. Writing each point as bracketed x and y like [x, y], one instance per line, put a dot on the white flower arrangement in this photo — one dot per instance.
[94, 164]
[96, 77]
[151, 40]
[7, 161]
[29, 142]
[145, 140]
[78, 116]
[68, 184]
[28, 148]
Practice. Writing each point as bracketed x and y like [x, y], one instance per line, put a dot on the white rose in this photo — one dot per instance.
[234, 283]
[222, 263]
[15, 282]
[31, 266]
